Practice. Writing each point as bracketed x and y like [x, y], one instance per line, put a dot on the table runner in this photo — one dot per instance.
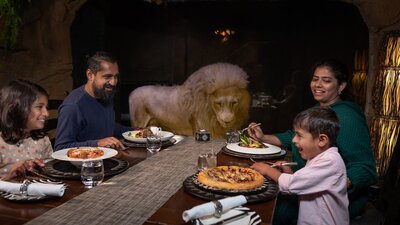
[133, 196]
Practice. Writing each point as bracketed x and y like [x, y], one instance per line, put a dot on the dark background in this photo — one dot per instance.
[276, 43]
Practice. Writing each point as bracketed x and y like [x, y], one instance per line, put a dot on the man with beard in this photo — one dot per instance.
[86, 117]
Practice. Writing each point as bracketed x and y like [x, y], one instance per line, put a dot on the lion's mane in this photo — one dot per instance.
[213, 92]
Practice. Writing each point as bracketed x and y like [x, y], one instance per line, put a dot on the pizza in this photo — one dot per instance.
[85, 153]
[231, 177]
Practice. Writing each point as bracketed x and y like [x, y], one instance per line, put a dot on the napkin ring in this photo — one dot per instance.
[218, 209]
[24, 187]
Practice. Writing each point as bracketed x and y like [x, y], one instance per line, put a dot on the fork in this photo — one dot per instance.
[244, 129]
[254, 161]
[286, 164]
[282, 164]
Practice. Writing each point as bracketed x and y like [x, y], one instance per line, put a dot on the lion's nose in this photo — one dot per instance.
[227, 117]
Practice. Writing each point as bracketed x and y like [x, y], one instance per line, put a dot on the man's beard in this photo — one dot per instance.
[103, 95]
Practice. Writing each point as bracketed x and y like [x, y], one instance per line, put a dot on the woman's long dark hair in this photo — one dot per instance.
[16, 100]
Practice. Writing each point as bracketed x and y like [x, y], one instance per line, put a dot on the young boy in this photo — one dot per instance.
[322, 184]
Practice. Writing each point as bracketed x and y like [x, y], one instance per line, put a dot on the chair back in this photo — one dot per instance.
[51, 123]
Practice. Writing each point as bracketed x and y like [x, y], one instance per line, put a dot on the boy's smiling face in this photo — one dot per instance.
[308, 146]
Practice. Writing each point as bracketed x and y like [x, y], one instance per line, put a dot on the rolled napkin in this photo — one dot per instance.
[39, 189]
[209, 208]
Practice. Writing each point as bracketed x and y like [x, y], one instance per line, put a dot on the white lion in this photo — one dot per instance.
[214, 98]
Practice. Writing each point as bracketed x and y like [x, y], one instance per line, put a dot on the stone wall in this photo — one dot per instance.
[43, 52]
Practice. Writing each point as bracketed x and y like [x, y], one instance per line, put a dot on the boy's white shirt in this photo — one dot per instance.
[322, 189]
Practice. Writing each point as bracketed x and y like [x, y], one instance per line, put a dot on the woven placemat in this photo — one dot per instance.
[66, 170]
[269, 191]
[131, 144]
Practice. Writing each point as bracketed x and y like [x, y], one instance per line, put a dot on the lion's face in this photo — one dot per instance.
[230, 106]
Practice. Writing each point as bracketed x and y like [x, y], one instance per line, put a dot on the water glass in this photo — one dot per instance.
[92, 173]
[232, 136]
[153, 143]
[206, 160]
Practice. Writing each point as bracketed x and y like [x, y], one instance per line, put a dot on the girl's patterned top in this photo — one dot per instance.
[27, 149]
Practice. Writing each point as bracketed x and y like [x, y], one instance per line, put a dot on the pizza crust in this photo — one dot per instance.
[231, 177]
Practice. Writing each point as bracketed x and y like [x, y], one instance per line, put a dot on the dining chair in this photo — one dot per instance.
[51, 123]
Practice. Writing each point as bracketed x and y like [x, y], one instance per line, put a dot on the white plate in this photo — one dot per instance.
[62, 154]
[272, 149]
[165, 136]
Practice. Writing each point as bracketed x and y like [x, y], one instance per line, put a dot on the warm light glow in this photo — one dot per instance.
[358, 81]
[224, 34]
[386, 125]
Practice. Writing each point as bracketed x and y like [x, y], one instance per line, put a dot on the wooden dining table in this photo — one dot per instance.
[170, 211]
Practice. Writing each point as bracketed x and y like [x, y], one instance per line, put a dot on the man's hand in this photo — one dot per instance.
[110, 142]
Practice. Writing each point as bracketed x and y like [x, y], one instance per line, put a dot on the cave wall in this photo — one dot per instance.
[275, 43]
[43, 52]
[43, 48]
[381, 17]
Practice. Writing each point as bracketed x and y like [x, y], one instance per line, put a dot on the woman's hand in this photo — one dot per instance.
[21, 168]
[255, 131]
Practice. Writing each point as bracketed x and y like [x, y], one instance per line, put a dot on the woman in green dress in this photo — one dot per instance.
[327, 84]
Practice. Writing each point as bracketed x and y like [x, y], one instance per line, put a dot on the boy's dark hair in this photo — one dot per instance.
[94, 61]
[16, 100]
[319, 120]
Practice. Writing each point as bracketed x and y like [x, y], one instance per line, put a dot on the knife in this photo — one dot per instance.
[231, 219]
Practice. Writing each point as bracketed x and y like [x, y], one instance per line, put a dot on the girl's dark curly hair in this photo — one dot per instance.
[16, 100]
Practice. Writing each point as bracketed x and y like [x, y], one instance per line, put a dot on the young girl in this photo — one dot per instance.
[321, 185]
[23, 113]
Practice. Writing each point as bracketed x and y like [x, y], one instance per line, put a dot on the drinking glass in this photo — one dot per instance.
[232, 136]
[92, 173]
[153, 144]
[206, 160]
